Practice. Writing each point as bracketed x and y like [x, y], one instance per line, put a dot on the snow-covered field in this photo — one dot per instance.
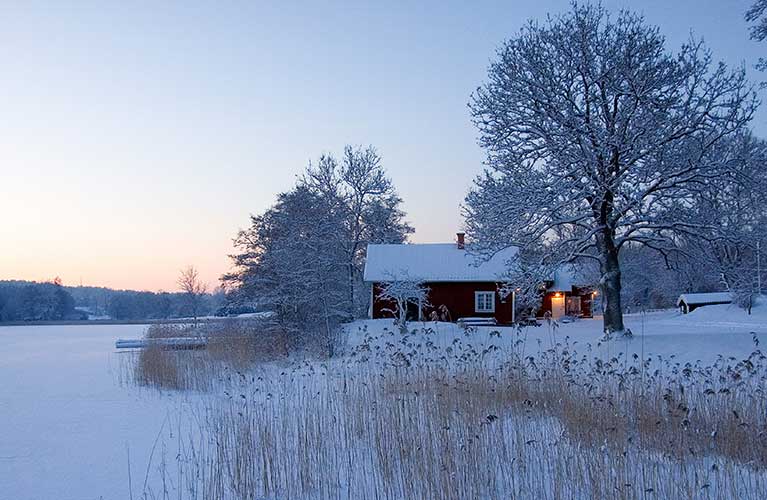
[702, 335]
[68, 424]
[699, 337]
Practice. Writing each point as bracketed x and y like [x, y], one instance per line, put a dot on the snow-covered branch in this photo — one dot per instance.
[597, 136]
[403, 292]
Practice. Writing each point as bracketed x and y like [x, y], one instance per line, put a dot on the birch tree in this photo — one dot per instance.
[595, 134]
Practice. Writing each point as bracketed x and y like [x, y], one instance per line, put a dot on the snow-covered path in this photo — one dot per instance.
[66, 423]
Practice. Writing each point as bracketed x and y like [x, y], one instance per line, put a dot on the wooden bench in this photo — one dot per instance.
[477, 321]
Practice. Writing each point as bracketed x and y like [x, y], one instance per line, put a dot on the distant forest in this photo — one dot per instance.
[52, 301]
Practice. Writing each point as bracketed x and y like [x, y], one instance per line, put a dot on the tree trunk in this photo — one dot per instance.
[611, 284]
[352, 298]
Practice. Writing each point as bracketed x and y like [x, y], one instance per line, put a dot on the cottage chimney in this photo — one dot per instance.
[461, 243]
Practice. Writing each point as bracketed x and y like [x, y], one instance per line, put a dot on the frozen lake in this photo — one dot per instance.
[66, 423]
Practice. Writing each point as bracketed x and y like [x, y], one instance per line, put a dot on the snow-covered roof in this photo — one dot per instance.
[433, 262]
[704, 298]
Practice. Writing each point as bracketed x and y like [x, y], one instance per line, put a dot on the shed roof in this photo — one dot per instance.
[704, 298]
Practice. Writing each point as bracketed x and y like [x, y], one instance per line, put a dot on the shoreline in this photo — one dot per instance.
[112, 322]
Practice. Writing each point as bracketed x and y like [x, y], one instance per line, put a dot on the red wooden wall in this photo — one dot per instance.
[459, 299]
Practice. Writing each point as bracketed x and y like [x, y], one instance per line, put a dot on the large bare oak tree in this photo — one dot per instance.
[596, 136]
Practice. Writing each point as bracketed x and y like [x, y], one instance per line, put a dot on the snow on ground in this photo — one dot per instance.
[700, 336]
[67, 423]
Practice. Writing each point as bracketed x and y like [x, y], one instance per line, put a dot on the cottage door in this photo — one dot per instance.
[557, 306]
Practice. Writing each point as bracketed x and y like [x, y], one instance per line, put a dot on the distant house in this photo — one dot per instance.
[688, 302]
[467, 288]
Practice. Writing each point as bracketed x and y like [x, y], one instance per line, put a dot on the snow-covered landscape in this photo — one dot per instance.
[700, 337]
[75, 427]
[444, 250]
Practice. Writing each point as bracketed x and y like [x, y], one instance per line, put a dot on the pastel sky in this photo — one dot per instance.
[136, 137]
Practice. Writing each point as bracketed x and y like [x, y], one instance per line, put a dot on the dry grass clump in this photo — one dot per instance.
[682, 417]
[681, 410]
[156, 366]
[233, 346]
[242, 343]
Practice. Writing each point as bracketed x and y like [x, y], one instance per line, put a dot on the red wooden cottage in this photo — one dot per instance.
[466, 287]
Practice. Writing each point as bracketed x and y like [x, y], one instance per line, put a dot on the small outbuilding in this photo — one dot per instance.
[688, 302]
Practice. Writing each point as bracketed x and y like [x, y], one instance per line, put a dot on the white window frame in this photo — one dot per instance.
[479, 304]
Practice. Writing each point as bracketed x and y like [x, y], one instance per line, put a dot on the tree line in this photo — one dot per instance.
[30, 301]
[51, 301]
[140, 305]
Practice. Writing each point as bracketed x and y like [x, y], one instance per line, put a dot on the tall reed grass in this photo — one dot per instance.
[233, 346]
[405, 416]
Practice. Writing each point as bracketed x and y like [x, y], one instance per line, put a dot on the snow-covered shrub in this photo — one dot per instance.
[402, 294]
[744, 298]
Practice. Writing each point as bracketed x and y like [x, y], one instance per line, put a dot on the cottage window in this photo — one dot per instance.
[484, 302]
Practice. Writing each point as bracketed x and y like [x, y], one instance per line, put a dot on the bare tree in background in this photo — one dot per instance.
[596, 138]
[737, 212]
[194, 288]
